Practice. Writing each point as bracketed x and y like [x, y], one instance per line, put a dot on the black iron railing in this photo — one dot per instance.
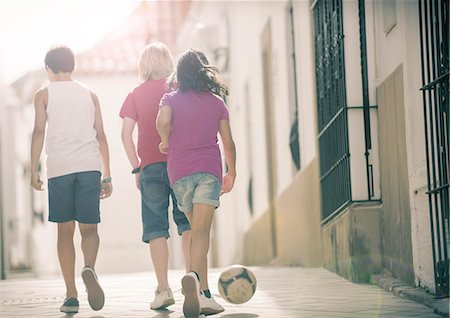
[365, 94]
[434, 43]
[331, 106]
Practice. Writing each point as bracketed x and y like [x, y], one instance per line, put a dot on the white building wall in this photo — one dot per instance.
[249, 21]
[26, 237]
[25, 247]
[239, 25]
[306, 84]
[353, 79]
[245, 22]
[15, 217]
[401, 46]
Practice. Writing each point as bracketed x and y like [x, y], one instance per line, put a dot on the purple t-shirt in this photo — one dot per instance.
[193, 143]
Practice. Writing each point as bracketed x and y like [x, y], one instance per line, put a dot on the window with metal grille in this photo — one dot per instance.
[434, 44]
[331, 106]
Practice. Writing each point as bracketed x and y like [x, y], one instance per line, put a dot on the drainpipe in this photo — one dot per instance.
[365, 93]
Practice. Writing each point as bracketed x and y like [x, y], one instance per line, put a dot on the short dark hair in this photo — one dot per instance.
[60, 59]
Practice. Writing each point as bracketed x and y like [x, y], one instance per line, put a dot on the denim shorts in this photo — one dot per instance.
[155, 193]
[199, 187]
[75, 197]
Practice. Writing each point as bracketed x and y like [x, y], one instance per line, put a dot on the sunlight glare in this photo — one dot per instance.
[29, 28]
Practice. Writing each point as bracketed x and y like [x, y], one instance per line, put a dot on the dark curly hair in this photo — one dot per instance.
[194, 73]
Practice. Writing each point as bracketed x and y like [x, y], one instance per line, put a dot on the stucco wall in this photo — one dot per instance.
[239, 26]
[297, 218]
[401, 46]
[351, 243]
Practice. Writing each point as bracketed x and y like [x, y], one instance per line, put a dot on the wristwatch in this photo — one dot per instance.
[136, 170]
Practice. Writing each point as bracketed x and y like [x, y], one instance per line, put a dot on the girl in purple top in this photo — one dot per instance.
[188, 122]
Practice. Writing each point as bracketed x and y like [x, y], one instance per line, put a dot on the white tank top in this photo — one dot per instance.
[71, 143]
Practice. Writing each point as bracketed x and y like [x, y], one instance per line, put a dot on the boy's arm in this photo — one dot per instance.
[37, 138]
[104, 149]
[128, 144]
[230, 155]
[163, 126]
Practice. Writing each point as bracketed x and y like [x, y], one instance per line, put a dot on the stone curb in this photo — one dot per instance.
[419, 295]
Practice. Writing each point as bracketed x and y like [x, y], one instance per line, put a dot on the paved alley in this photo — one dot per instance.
[282, 292]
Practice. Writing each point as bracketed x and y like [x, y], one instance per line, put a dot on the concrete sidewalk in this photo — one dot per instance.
[282, 292]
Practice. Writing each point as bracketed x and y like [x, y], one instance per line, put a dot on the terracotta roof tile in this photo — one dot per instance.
[119, 50]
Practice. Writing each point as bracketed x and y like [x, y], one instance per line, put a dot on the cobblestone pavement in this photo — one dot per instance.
[282, 292]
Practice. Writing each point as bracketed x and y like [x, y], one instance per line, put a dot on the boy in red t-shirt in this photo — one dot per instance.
[150, 165]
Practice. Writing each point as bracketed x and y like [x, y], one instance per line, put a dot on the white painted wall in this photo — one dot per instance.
[245, 22]
[401, 46]
[16, 216]
[353, 79]
[239, 25]
[249, 20]
[306, 81]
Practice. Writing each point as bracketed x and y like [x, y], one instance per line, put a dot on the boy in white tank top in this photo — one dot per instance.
[78, 169]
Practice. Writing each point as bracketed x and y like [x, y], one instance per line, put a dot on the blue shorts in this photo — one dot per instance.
[75, 197]
[155, 193]
[199, 187]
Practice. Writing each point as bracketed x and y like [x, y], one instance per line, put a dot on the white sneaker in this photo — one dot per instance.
[208, 306]
[191, 292]
[96, 297]
[162, 299]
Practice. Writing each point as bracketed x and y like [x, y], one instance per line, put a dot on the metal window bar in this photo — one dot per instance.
[331, 107]
[365, 93]
[294, 137]
[434, 44]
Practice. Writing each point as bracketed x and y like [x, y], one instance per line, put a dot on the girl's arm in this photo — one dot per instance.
[163, 126]
[104, 149]
[230, 155]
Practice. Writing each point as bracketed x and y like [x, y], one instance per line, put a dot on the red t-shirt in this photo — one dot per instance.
[142, 105]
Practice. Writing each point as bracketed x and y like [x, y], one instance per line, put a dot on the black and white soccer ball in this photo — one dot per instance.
[237, 284]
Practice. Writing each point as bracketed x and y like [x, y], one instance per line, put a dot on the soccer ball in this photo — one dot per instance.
[237, 284]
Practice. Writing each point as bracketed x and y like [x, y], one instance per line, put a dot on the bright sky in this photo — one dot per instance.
[29, 28]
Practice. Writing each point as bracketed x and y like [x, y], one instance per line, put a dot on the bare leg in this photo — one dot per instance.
[159, 252]
[201, 220]
[89, 243]
[186, 246]
[66, 255]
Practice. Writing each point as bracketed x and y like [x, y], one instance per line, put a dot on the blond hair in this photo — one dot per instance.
[155, 62]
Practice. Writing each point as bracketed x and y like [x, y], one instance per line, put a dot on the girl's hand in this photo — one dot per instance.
[164, 147]
[227, 183]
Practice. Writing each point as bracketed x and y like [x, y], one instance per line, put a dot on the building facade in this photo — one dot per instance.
[339, 110]
[338, 164]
